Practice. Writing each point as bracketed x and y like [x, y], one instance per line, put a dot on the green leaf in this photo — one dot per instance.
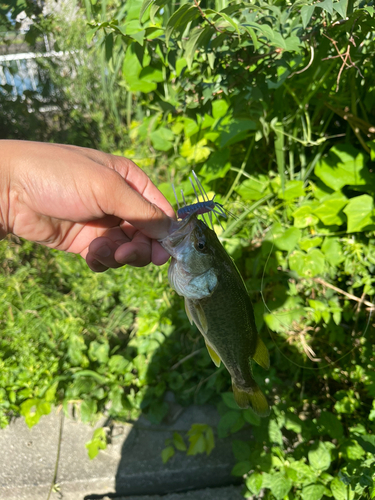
[293, 423]
[344, 165]
[319, 457]
[359, 211]
[303, 217]
[180, 18]
[33, 410]
[250, 417]
[332, 250]
[195, 152]
[151, 74]
[307, 243]
[192, 44]
[279, 485]
[241, 468]
[293, 189]
[274, 432]
[306, 13]
[118, 364]
[293, 44]
[351, 450]
[313, 492]
[98, 351]
[367, 442]
[231, 21]
[89, 409]
[254, 483]
[108, 46]
[179, 442]
[326, 5]
[229, 400]
[167, 453]
[330, 208]
[331, 424]
[98, 442]
[197, 444]
[301, 472]
[236, 130]
[341, 491]
[145, 6]
[162, 139]
[288, 240]
[341, 7]
[252, 189]
[307, 264]
[253, 37]
[227, 421]
[219, 108]
[131, 70]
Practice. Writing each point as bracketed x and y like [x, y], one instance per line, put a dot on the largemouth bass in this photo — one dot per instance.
[216, 300]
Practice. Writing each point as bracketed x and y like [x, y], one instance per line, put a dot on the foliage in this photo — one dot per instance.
[271, 104]
[201, 440]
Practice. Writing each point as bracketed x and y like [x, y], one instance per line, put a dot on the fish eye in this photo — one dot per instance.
[200, 244]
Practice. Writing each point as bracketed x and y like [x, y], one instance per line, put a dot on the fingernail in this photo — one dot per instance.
[103, 252]
[132, 257]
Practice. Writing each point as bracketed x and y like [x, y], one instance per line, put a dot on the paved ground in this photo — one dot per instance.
[130, 467]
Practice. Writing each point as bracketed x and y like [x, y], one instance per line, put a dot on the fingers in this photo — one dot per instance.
[105, 253]
[101, 253]
[159, 255]
[137, 252]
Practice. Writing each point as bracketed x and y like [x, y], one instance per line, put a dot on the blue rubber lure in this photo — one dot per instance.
[206, 206]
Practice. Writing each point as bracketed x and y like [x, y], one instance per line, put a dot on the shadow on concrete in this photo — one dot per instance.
[182, 366]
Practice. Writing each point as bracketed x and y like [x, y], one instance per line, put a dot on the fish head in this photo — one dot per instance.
[191, 272]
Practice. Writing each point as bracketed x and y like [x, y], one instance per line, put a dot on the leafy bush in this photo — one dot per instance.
[271, 104]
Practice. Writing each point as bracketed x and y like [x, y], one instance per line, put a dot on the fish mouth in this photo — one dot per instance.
[179, 231]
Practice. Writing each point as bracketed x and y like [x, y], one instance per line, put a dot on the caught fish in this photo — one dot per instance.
[216, 300]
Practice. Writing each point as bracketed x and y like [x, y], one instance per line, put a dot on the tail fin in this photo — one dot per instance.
[254, 399]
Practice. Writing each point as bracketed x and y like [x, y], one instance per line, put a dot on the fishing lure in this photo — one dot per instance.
[206, 206]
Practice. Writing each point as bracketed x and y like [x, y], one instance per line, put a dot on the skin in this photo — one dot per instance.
[80, 200]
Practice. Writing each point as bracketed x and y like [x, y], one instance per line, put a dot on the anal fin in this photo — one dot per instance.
[261, 355]
[213, 355]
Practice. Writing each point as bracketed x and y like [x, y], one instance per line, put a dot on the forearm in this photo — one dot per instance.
[5, 152]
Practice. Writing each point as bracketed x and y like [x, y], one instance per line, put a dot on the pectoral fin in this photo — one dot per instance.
[188, 312]
[196, 313]
[213, 355]
[261, 355]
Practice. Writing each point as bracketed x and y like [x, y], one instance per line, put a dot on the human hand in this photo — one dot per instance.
[83, 201]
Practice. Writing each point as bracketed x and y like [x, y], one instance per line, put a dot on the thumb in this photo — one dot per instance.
[121, 200]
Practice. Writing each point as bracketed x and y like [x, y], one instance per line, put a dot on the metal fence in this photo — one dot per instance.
[19, 70]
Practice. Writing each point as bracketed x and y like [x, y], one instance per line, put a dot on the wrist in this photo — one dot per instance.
[5, 148]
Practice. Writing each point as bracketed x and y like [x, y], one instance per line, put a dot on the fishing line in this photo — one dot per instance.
[229, 228]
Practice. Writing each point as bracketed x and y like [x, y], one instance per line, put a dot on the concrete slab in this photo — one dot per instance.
[226, 493]
[131, 465]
